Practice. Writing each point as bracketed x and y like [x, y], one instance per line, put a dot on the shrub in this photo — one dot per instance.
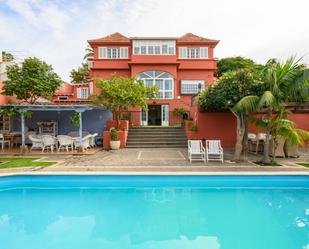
[193, 127]
[114, 134]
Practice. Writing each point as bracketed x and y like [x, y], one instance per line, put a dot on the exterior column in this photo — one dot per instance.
[80, 127]
[22, 129]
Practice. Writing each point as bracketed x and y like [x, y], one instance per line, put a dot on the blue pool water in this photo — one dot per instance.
[154, 212]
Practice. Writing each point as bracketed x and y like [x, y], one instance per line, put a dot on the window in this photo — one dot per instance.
[164, 81]
[193, 52]
[192, 86]
[5, 123]
[82, 92]
[113, 52]
[154, 47]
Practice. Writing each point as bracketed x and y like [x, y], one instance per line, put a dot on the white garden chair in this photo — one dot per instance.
[196, 150]
[214, 151]
[49, 142]
[4, 141]
[84, 143]
[36, 142]
[65, 142]
[92, 140]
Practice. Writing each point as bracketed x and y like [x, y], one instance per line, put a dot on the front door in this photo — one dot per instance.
[154, 115]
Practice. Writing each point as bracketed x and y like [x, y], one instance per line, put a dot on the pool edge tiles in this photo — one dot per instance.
[140, 181]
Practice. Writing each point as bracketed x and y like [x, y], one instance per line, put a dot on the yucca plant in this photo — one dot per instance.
[285, 82]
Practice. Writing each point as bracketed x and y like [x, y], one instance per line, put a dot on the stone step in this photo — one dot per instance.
[154, 139]
[147, 136]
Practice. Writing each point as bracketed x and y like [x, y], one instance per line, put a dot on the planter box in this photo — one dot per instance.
[123, 124]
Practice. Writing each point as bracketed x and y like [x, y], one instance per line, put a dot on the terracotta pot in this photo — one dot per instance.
[115, 145]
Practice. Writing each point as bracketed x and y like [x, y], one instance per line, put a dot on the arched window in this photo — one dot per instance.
[164, 81]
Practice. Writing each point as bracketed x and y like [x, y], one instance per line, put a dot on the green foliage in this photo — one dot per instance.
[118, 93]
[193, 128]
[179, 111]
[89, 52]
[80, 75]
[114, 135]
[235, 63]
[7, 56]
[231, 87]
[126, 116]
[33, 79]
[11, 111]
[74, 119]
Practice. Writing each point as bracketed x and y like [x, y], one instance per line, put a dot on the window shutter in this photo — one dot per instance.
[204, 52]
[102, 52]
[182, 52]
[124, 52]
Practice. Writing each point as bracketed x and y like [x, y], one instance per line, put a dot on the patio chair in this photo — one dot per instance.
[196, 150]
[65, 142]
[36, 142]
[49, 142]
[92, 140]
[251, 141]
[85, 143]
[214, 151]
[4, 141]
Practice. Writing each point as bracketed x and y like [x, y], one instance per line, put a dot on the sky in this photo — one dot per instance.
[57, 31]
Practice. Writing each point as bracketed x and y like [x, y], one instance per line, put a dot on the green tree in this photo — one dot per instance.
[89, 52]
[284, 82]
[119, 93]
[223, 96]
[7, 56]
[33, 79]
[80, 75]
[236, 63]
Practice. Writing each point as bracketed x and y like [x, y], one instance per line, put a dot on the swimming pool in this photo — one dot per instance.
[154, 212]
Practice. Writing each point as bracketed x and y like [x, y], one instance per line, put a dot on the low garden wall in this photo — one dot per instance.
[222, 126]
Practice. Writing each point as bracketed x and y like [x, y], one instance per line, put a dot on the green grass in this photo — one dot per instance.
[304, 164]
[15, 162]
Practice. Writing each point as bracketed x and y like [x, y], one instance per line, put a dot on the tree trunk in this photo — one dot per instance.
[239, 137]
[266, 159]
[244, 156]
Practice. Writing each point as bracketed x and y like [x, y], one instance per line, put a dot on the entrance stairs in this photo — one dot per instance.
[156, 137]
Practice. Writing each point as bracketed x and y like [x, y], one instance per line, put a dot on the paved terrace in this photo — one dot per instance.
[156, 161]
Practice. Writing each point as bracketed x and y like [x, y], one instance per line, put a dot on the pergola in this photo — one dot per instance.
[77, 108]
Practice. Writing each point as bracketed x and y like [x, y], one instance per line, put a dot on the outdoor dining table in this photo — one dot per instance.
[11, 137]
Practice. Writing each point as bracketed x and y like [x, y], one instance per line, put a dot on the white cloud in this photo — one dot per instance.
[57, 31]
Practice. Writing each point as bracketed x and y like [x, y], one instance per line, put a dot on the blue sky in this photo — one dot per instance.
[57, 31]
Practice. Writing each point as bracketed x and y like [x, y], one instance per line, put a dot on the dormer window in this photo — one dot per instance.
[154, 47]
[113, 52]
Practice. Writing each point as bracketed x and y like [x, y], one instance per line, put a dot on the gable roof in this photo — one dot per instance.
[189, 37]
[115, 37]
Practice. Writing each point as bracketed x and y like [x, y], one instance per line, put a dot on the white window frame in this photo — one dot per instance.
[156, 47]
[163, 90]
[191, 53]
[192, 83]
[82, 92]
[113, 53]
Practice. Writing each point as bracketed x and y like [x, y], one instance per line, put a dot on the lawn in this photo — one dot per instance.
[304, 164]
[15, 162]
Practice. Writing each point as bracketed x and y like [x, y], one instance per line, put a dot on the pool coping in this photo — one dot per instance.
[140, 172]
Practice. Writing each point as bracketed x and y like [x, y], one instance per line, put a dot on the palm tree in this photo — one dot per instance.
[89, 53]
[285, 82]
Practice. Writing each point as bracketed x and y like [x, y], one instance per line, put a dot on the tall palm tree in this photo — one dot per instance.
[285, 82]
[89, 53]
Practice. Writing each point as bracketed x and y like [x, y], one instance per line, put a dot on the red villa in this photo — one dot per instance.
[179, 66]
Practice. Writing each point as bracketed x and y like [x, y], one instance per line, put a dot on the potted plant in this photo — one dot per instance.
[114, 142]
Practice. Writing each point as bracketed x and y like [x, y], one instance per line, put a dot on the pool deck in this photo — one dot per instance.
[158, 161]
